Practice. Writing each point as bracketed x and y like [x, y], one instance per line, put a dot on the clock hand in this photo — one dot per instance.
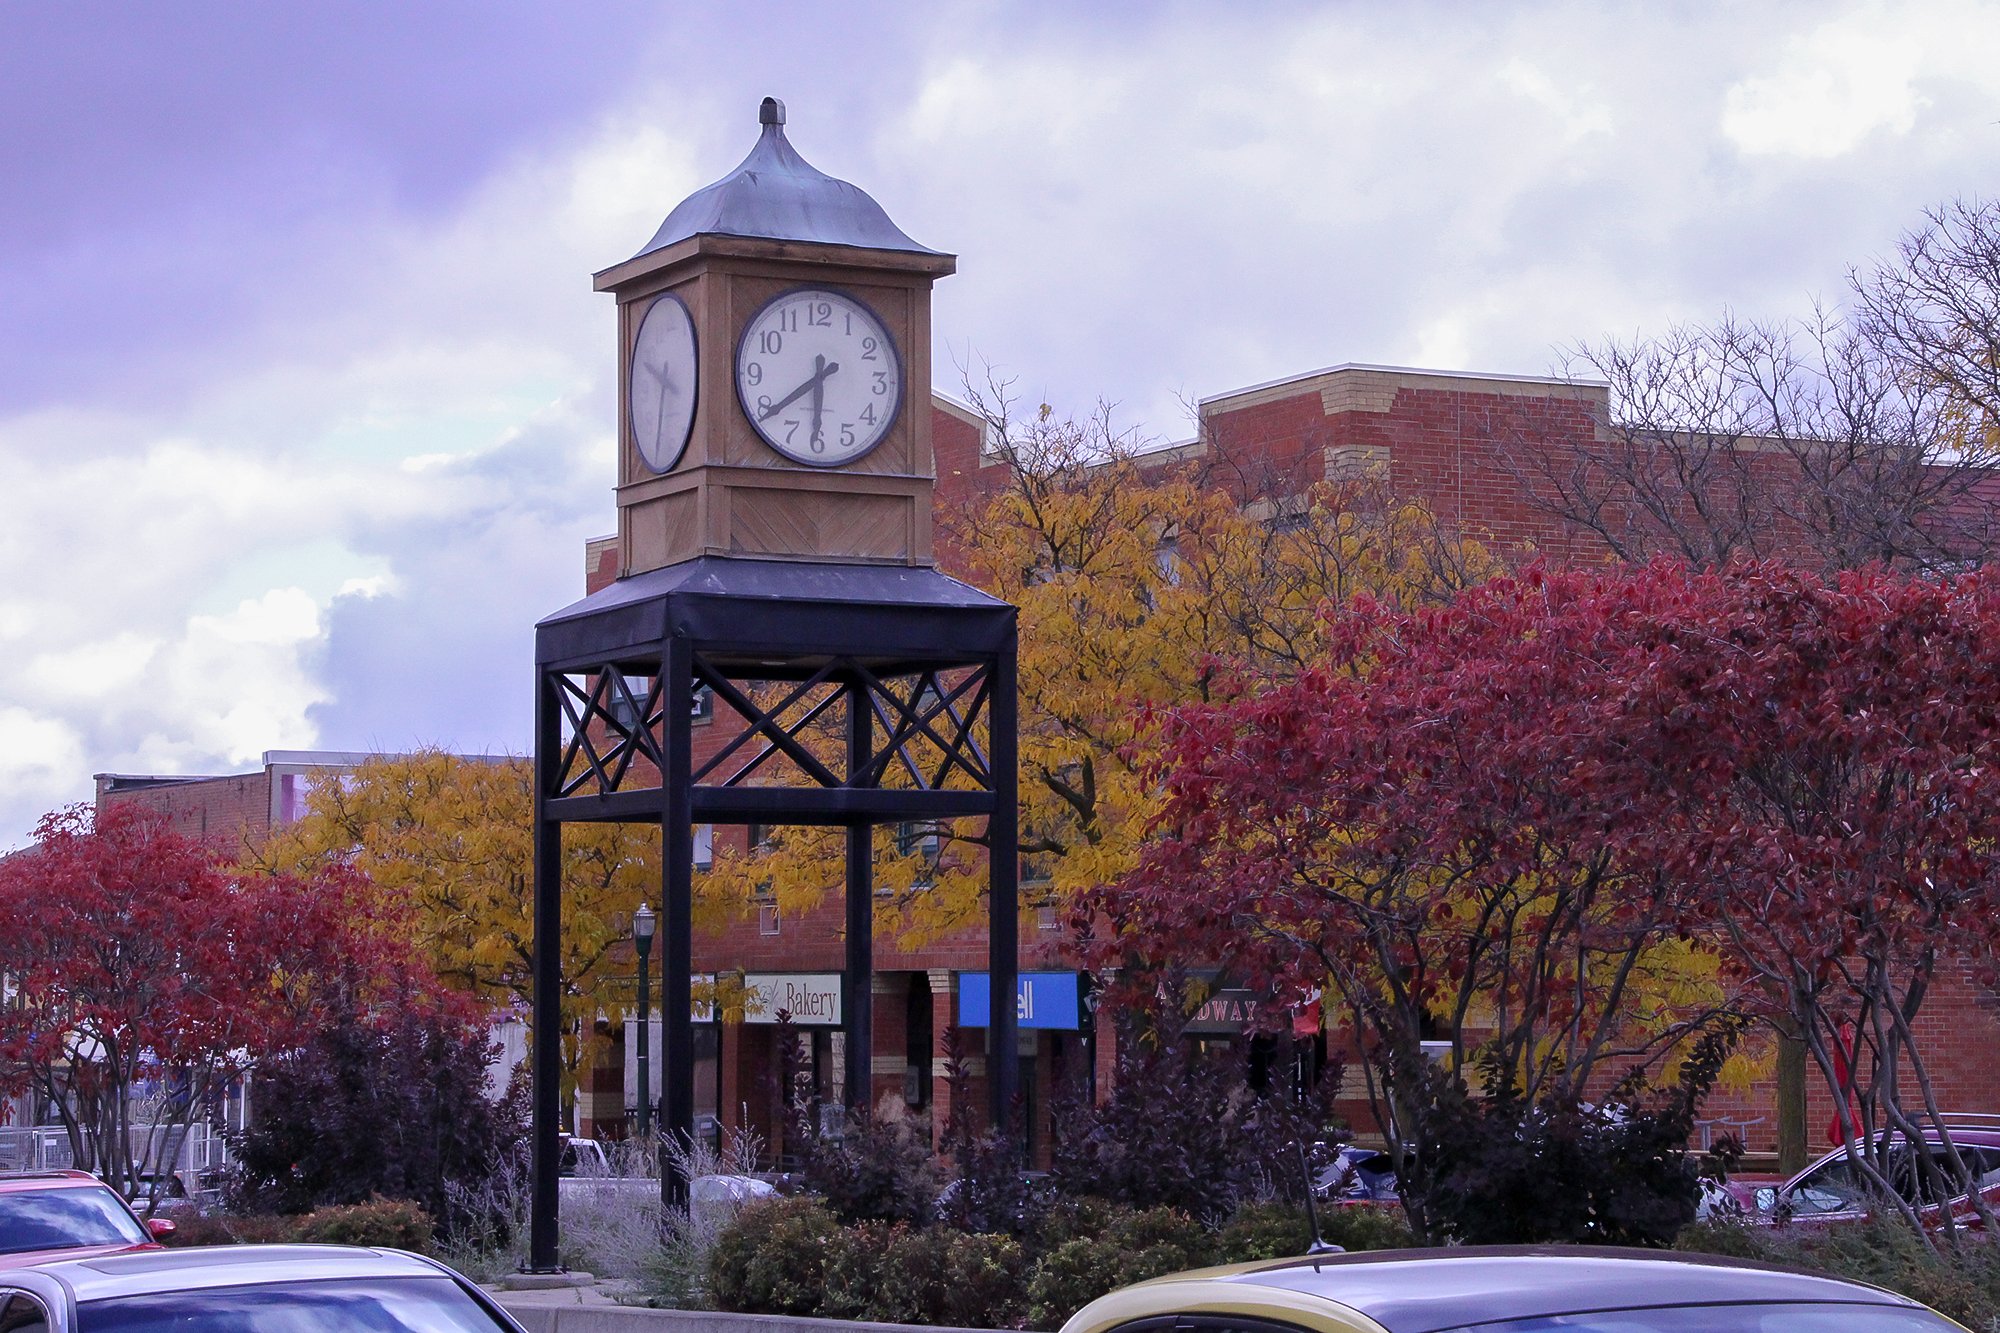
[821, 369]
[660, 399]
[819, 396]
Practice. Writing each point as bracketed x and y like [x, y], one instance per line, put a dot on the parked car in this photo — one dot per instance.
[1836, 1189]
[245, 1288]
[1357, 1175]
[580, 1157]
[162, 1194]
[55, 1214]
[1495, 1290]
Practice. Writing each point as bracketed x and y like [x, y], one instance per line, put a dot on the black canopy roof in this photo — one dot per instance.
[743, 610]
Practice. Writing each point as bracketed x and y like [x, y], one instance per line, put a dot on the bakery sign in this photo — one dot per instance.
[809, 999]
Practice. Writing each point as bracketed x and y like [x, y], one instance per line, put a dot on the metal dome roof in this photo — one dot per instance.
[776, 194]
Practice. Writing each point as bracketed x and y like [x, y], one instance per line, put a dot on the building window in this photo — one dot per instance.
[922, 838]
[767, 919]
[704, 846]
[626, 712]
[919, 837]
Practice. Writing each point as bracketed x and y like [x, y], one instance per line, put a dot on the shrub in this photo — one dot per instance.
[772, 1258]
[394, 1223]
[229, 1229]
[1133, 1245]
[1502, 1169]
[1264, 1231]
[873, 1168]
[390, 1102]
[1961, 1281]
[986, 1284]
[1182, 1129]
[879, 1170]
[1068, 1218]
[988, 1190]
[1722, 1236]
[1366, 1227]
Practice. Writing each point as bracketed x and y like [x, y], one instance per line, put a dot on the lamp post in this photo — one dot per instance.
[643, 921]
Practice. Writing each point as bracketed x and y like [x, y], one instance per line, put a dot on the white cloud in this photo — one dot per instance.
[1849, 79]
[39, 753]
[1920, 77]
[397, 477]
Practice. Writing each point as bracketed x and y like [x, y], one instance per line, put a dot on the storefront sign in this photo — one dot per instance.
[809, 999]
[1225, 1013]
[1041, 1000]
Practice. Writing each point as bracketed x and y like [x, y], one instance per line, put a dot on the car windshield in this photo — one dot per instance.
[50, 1219]
[379, 1305]
[1825, 1317]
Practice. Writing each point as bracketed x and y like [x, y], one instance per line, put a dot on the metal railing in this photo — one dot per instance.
[200, 1148]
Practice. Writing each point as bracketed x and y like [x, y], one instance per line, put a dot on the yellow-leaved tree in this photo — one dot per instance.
[1139, 577]
[452, 840]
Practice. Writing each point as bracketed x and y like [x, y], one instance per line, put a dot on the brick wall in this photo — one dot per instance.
[232, 812]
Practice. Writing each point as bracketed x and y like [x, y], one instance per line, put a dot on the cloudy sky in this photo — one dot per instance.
[306, 401]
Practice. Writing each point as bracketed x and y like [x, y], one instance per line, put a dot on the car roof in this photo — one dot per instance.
[106, 1276]
[12, 1182]
[1421, 1291]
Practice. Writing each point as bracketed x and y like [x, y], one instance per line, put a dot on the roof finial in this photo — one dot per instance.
[771, 112]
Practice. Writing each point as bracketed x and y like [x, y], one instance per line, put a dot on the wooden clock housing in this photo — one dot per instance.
[774, 224]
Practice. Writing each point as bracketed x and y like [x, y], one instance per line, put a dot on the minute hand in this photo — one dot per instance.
[821, 369]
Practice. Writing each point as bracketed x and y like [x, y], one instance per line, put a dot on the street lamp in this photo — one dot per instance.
[642, 936]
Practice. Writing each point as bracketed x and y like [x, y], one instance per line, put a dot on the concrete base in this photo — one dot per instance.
[544, 1281]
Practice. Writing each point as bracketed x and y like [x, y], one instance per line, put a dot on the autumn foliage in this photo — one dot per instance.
[1134, 576]
[1572, 819]
[146, 972]
[449, 844]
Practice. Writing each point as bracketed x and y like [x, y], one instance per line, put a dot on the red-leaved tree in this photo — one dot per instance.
[145, 972]
[1829, 751]
[1574, 819]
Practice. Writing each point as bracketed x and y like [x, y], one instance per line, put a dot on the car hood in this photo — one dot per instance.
[29, 1258]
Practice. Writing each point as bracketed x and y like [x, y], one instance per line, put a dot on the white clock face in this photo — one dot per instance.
[818, 376]
[660, 392]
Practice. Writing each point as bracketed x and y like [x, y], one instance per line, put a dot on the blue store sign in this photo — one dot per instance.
[1042, 1000]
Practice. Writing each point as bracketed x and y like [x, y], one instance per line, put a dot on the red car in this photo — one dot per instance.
[68, 1215]
[1836, 1189]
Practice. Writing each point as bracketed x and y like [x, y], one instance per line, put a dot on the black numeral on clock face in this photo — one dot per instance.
[770, 342]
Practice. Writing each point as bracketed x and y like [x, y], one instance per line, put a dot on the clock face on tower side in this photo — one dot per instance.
[661, 389]
[818, 376]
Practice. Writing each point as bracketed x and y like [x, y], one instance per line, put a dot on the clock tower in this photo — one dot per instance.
[774, 373]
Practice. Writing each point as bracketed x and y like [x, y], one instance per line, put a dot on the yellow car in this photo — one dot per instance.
[1504, 1290]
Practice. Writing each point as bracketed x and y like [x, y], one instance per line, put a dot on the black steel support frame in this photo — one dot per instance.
[953, 648]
